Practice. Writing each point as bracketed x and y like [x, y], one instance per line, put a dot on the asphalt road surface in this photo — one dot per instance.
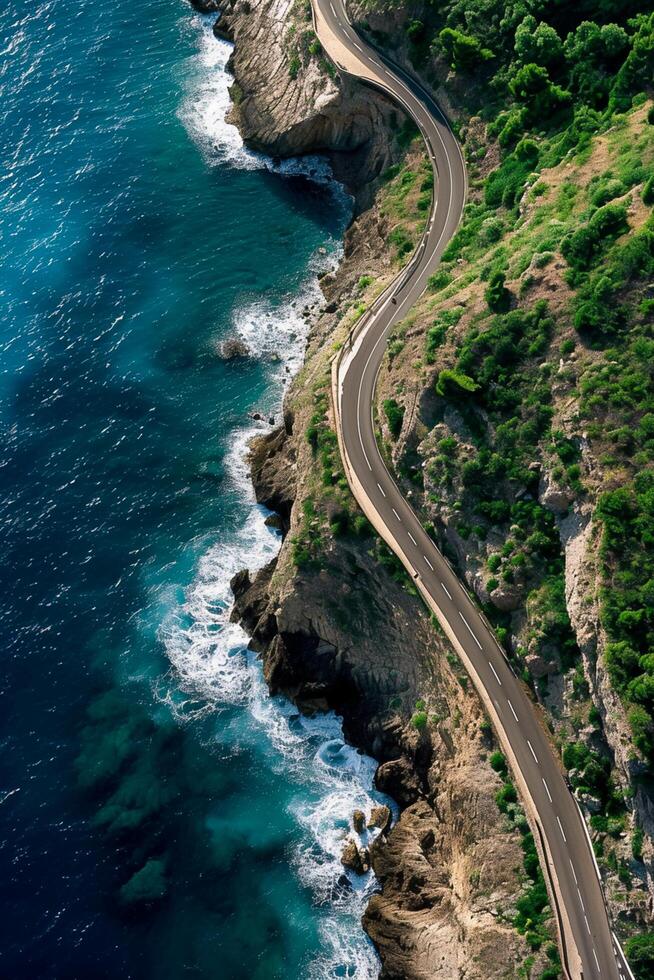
[589, 949]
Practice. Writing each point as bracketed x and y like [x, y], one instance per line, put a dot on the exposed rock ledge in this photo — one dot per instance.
[283, 116]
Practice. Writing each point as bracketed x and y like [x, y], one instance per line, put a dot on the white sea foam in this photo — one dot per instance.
[212, 668]
[207, 103]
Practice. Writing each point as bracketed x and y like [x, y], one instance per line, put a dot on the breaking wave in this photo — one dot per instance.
[213, 669]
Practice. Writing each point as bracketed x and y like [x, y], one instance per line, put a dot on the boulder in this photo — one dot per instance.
[399, 780]
[355, 858]
[381, 817]
[359, 821]
[506, 598]
[233, 348]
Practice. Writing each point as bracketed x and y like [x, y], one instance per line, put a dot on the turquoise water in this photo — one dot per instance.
[160, 816]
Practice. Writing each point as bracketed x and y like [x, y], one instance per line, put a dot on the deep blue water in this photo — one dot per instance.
[160, 817]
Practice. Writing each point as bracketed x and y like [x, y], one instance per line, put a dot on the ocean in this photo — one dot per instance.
[160, 815]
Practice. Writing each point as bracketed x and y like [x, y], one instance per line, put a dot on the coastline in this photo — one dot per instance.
[311, 743]
[320, 662]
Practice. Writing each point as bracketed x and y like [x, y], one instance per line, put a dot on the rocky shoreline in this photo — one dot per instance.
[344, 632]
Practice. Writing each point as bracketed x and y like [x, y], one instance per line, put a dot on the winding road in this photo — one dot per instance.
[589, 948]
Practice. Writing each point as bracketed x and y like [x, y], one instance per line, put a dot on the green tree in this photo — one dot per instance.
[532, 85]
[640, 953]
[463, 51]
[638, 67]
[538, 43]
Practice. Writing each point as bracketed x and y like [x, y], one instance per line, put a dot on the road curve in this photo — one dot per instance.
[589, 949]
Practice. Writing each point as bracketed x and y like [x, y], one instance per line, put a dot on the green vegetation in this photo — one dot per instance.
[394, 416]
[532, 908]
[640, 953]
[497, 295]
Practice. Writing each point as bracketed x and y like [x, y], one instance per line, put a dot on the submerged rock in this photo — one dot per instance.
[233, 349]
[147, 885]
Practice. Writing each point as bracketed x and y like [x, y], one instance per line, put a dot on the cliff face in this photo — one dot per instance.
[288, 101]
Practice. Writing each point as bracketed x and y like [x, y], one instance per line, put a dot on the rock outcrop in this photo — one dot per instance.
[316, 112]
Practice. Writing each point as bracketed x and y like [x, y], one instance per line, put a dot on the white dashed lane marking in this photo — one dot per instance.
[562, 830]
[381, 490]
[596, 961]
[547, 790]
[412, 538]
[531, 749]
[397, 515]
[511, 707]
[446, 590]
[428, 562]
[574, 873]
[496, 675]
[469, 628]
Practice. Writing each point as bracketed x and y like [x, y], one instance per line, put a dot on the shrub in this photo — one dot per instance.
[498, 762]
[419, 720]
[648, 191]
[531, 85]
[439, 280]
[400, 238]
[497, 295]
[294, 66]
[454, 383]
[583, 247]
[394, 416]
[506, 795]
[640, 953]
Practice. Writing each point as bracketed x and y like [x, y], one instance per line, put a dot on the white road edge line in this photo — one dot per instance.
[547, 790]
[469, 628]
[531, 749]
[558, 820]
[446, 590]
